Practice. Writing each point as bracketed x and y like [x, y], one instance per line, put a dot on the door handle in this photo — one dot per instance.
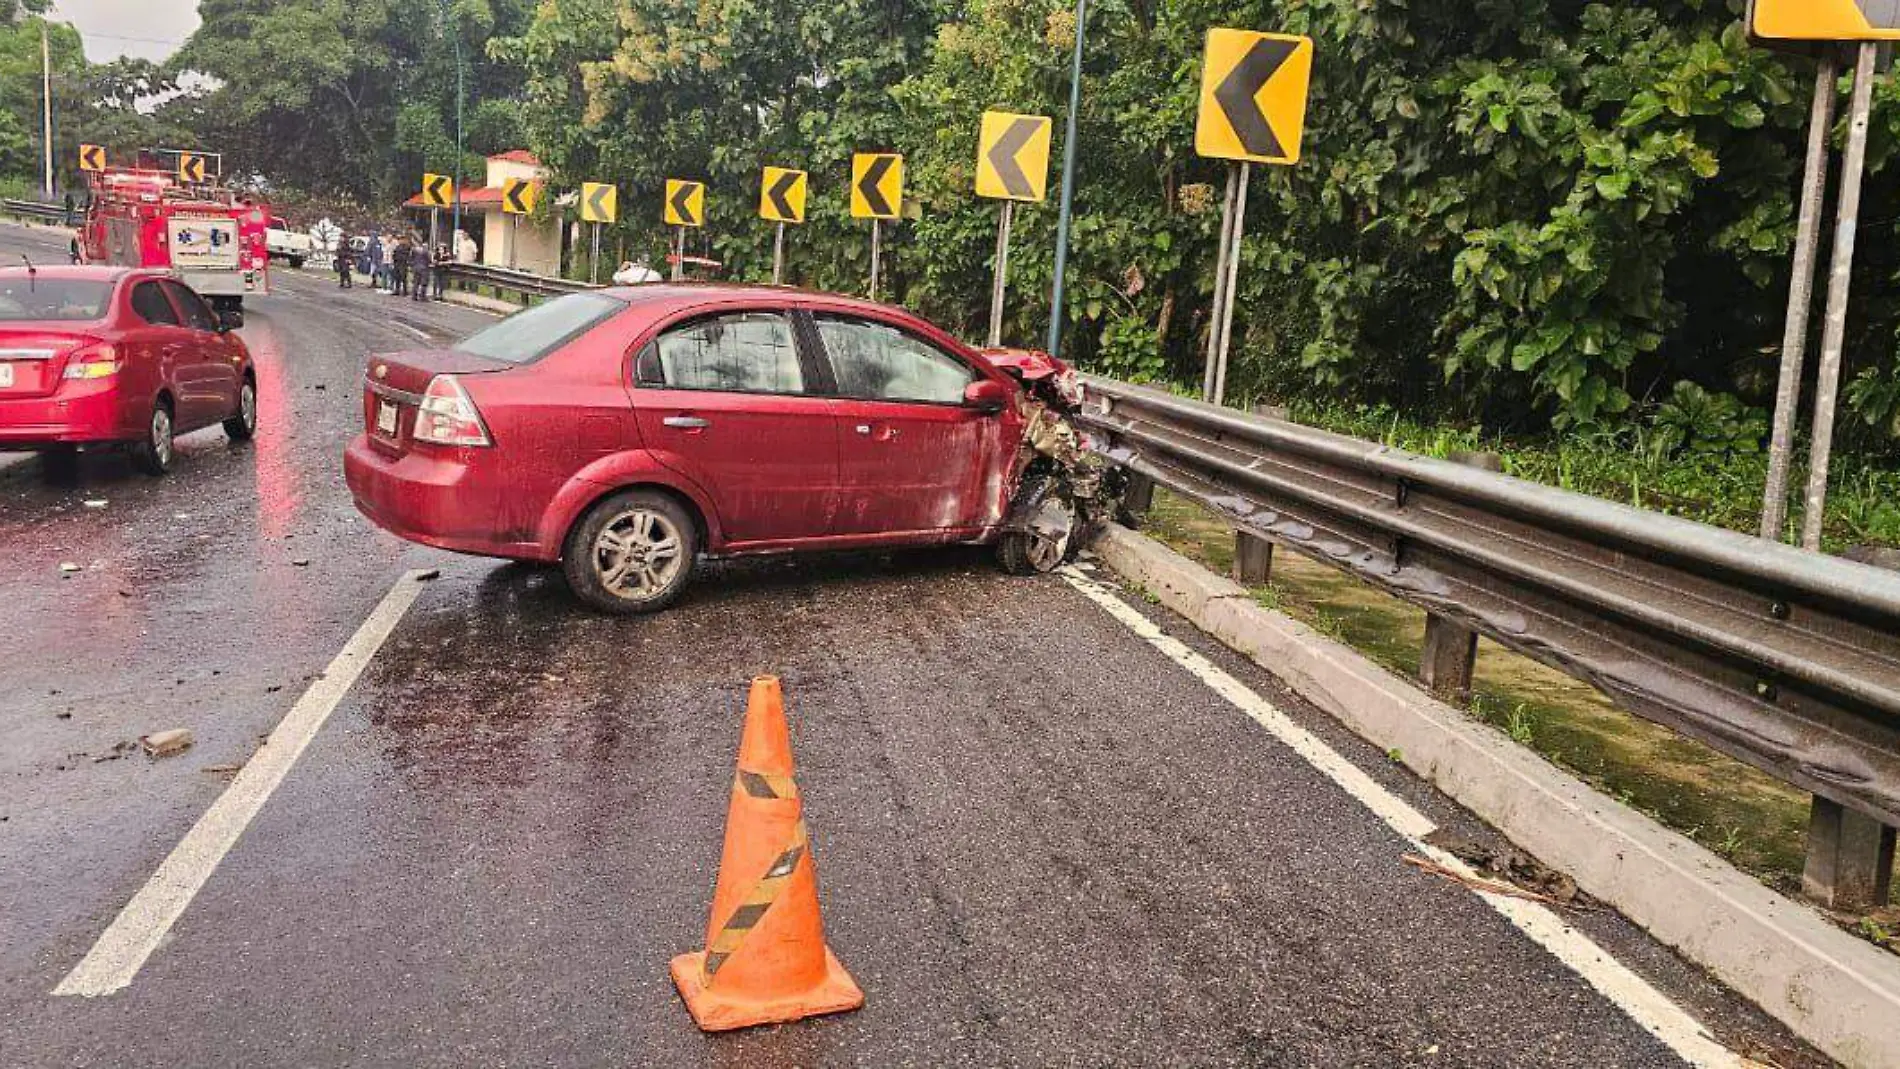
[864, 428]
[687, 423]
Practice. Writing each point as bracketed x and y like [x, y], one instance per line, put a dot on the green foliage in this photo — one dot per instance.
[1696, 421]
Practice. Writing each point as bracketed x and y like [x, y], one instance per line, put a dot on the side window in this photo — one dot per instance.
[750, 352]
[150, 304]
[882, 363]
[197, 315]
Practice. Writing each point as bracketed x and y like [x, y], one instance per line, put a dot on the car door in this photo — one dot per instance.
[158, 343]
[730, 401]
[204, 355]
[913, 457]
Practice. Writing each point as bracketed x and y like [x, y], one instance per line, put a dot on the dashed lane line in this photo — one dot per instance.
[121, 951]
[1635, 996]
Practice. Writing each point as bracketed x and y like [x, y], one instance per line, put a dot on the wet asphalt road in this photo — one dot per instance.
[1039, 842]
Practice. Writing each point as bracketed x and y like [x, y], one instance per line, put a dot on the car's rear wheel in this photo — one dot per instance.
[242, 426]
[633, 552]
[153, 456]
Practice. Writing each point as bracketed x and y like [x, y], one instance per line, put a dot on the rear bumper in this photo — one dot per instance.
[432, 499]
[75, 413]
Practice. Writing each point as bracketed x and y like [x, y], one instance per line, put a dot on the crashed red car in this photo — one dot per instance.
[627, 432]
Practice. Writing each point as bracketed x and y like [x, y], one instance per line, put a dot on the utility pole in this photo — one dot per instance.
[1068, 180]
[46, 84]
[455, 222]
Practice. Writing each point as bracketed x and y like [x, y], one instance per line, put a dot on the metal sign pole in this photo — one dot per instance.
[593, 258]
[1000, 283]
[435, 229]
[514, 240]
[778, 255]
[876, 251]
[1233, 276]
[1840, 281]
[1220, 284]
[679, 253]
[1794, 337]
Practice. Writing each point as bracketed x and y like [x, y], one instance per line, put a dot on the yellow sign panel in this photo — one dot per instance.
[782, 195]
[685, 203]
[438, 190]
[1826, 20]
[518, 196]
[191, 167]
[1253, 96]
[92, 158]
[1012, 156]
[600, 202]
[877, 185]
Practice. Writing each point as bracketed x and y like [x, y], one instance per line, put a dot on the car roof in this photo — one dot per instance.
[95, 272]
[682, 295]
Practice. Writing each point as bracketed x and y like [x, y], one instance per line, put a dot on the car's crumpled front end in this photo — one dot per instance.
[1064, 487]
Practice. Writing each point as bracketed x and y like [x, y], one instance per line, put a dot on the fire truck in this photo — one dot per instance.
[210, 238]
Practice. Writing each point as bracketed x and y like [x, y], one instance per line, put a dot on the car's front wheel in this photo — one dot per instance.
[633, 552]
[242, 426]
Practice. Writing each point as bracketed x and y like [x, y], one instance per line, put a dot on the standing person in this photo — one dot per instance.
[444, 259]
[420, 269]
[343, 280]
[399, 267]
[376, 269]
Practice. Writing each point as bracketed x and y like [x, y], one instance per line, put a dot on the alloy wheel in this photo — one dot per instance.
[639, 554]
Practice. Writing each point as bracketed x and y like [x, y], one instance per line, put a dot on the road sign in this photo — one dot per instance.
[600, 202]
[518, 196]
[877, 185]
[92, 158]
[1826, 20]
[685, 203]
[782, 195]
[1253, 96]
[438, 190]
[1012, 156]
[191, 167]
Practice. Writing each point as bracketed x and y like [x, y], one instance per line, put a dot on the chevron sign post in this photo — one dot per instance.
[1254, 88]
[1012, 164]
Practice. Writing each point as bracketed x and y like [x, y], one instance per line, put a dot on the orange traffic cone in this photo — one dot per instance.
[765, 960]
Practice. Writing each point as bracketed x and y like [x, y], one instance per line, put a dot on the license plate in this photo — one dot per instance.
[6, 376]
[386, 419]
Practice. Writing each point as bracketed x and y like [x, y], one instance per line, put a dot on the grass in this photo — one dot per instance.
[1754, 821]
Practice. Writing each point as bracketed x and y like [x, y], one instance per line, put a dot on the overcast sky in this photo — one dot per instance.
[150, 29]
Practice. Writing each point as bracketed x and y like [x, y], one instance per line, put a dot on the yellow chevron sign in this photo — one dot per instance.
[685, 203]
[1825, 20]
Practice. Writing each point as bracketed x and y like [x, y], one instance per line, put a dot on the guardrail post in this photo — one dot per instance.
[1140, 496]
[1253, 555]
[1450, 655]
[1850, 858]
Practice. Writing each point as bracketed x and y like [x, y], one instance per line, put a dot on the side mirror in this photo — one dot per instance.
[986, 395]
[230, 319]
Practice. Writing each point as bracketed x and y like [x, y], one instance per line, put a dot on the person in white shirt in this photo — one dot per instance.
[633, 273]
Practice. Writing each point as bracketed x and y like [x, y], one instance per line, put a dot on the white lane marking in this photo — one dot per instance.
[136, 932]
[423, 334]
[1632, 994]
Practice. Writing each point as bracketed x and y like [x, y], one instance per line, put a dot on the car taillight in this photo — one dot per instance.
[92, 362]
[448, 417]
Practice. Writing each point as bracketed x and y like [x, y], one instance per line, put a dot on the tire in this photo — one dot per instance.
[1023, 552]
[606, 578]
[153, 456]
[242, 427]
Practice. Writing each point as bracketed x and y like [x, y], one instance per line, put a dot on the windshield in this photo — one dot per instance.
[26, 299]
[528, 336]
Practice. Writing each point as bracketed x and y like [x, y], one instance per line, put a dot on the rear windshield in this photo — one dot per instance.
[528, 336]
[25, 299]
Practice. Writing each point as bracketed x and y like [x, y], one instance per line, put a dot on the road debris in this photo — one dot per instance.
[167, 743]
[1512, 866]
[119, 749]
[69, 567]
[96, 503]
[429, 575]
[226, 770]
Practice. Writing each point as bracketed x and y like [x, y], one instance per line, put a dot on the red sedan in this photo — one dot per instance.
[110, 355]
[626, 432]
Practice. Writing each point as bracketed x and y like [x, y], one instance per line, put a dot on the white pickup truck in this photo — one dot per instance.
[287, 244]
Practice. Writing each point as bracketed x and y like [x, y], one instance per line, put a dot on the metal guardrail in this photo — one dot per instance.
[506, 280]
[32, 209]
[1786, 660]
